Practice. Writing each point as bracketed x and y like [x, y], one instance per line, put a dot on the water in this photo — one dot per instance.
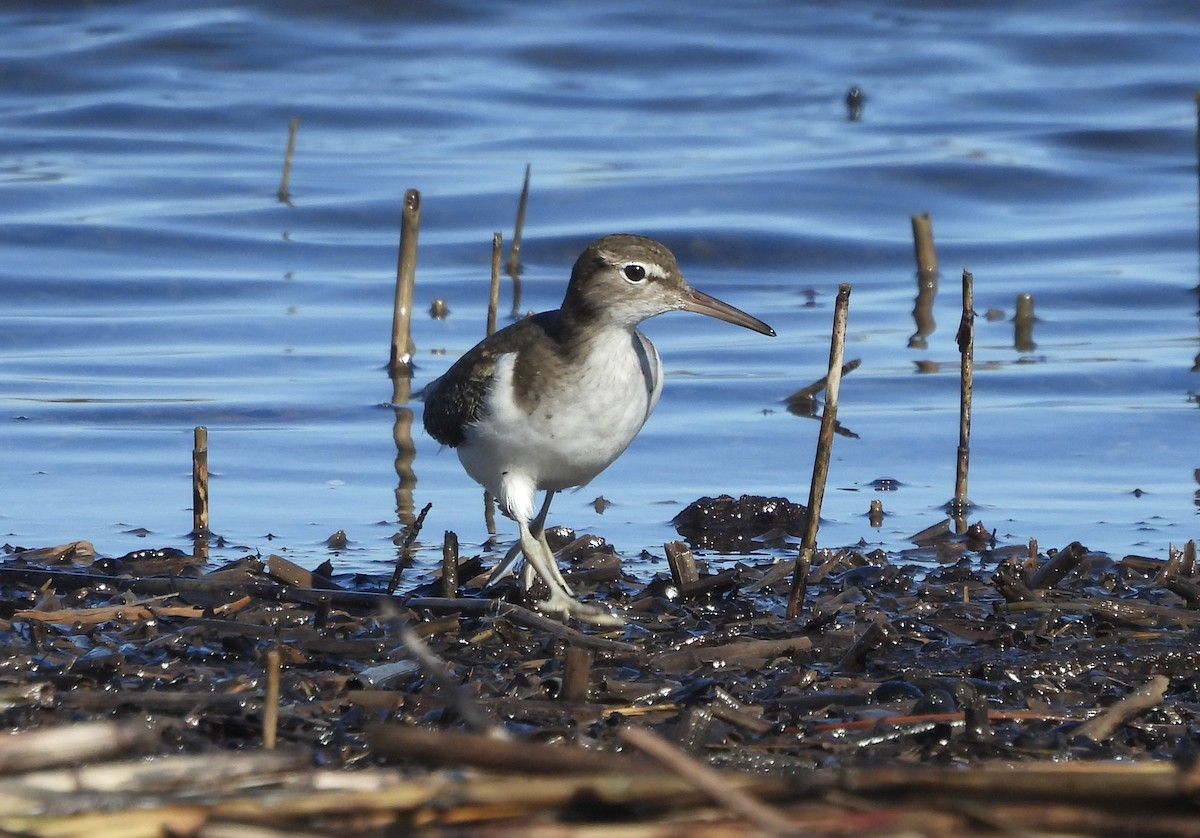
[152, 282]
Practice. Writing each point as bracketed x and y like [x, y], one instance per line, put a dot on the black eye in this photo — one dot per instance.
[635, 272]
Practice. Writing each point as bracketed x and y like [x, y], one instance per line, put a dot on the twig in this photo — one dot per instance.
[816, 492]
[1101, 727]
[712, 782]
[405, 558]
[966, 346]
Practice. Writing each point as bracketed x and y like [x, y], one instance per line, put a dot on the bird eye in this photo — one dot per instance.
[635, 272]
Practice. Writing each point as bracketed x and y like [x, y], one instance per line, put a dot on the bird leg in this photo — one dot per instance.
[539, 559]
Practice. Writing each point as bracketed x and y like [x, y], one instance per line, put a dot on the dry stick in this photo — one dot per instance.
[271, 700]
[200, 490]
[1023, 324]
[966, 345]
[285, 196]
[710, 781]
[405, 557]
[816, 491]
[514, 252]
[406, 271]
[449, 586]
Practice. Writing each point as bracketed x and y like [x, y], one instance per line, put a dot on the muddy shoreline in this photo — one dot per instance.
[1066, 682]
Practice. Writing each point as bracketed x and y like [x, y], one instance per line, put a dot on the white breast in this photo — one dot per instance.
[574, 431]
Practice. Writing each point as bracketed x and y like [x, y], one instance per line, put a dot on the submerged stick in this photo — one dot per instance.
[816, 491]
[200, 482]
[514, 251]
[966, 345]
[406, 270]
[285, 196]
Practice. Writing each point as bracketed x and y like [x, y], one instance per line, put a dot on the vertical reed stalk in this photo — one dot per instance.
[494, 290]
[406, 271]
[1023, 324]
[200, 482]
[966, 346]
[816, 492]
[271, 699]
[449, 586]
[514, 252]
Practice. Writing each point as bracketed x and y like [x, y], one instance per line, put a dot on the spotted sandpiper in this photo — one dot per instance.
[550, 401]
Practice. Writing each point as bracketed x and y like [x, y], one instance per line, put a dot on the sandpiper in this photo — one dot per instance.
[550, 401]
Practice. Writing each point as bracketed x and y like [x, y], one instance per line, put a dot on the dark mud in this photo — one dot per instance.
[1068, 682]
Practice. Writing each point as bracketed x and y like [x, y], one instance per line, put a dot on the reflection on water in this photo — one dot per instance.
[153, 281]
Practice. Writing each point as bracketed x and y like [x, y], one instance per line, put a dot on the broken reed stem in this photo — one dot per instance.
[406, 271]
[271, 699]
[922, 227]
[200, 482]
[966, 345]
[285, 195]
[405, 558]
[1023, 324]
[577, 673]
[494, 290]
[514, 251]
[449, 584]
[709, 780]
[682, 564]
[816, 491]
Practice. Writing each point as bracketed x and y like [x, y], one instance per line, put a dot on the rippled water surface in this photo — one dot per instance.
[151, 280]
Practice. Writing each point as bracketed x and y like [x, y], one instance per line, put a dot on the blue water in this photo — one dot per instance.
[151, 281]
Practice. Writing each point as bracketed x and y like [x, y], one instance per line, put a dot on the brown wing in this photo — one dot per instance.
[456, 400]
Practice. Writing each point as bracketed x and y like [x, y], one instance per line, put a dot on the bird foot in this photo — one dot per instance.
[561, 605]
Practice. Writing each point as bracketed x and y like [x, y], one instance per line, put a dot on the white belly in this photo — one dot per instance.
[575, 429]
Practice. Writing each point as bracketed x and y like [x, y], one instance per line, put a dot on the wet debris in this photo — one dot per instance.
[741, 525]
[142, 690]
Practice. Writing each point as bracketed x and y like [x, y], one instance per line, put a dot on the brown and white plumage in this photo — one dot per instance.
[551, 401]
